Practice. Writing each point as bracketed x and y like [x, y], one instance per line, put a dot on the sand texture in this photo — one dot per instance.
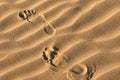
[59, 39]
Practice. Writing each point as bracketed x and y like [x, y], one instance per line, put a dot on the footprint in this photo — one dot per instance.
[49, 54]
[77, 69]
[77, 72]
[25, 14]
[90, 72]
[81, 72]
[49, 30]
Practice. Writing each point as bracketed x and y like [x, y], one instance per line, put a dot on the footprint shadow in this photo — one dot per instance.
[44, 56]
[55, 48]
[49, 30]
[90, 72]
[78, 72]
[50, 54]
[26, 14]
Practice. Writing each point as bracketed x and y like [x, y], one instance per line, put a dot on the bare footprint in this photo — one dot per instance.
[90, 72]
[77, 72]
[25, 14]
[49, 30]
[49, 54]
[81, 72]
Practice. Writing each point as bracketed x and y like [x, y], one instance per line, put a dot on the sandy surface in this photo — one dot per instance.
[63, 40]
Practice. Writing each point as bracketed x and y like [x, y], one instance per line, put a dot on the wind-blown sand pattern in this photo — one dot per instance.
[64, 40]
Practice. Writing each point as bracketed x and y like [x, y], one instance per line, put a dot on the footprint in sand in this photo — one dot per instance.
[50, 30]
[25, 14]
[49, 54]
[80, 72]
[90, 72]
[77, 72]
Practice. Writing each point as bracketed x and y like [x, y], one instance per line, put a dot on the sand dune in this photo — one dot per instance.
[61, 40]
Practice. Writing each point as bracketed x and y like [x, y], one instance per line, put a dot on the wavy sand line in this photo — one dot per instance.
[25, 66]
[86, 20]
[89, 35]
[106, 19]
[108, 75]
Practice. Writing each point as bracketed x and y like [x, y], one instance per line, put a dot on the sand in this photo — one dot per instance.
[60, 40]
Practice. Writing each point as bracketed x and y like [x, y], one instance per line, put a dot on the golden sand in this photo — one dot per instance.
[60, 40]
